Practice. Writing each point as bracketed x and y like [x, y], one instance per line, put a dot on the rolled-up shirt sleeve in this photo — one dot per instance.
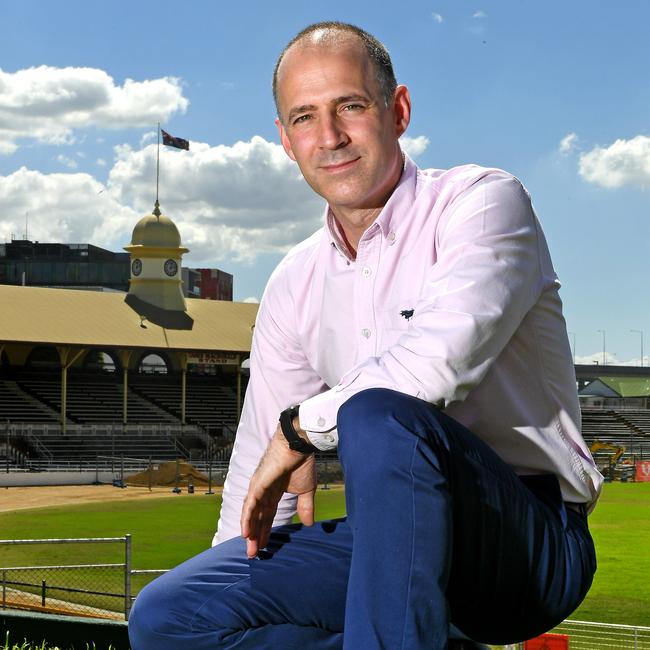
[486, 277]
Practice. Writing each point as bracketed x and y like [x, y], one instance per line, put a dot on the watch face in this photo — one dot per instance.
[136, 267]
[171, 268]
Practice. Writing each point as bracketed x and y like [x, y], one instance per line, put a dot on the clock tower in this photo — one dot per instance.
[156, 254]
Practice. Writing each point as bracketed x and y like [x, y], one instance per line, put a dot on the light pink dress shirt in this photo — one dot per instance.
[463, 250]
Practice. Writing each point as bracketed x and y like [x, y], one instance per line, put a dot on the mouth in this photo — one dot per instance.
[340, 166]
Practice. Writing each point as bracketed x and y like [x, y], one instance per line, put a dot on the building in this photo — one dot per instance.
[209, 284]
[84, 266]
[36, 264]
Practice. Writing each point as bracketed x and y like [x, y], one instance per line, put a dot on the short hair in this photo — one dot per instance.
[374, 48]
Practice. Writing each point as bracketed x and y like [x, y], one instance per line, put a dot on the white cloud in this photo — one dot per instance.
[625, 162]
[7, 147]
[100, 162]
[479, 14]
[67, 162]
[149, 136]
[47, 104]
[228, 201]
[568, 143]
[597, 358]
[437, 17]
[414, 146]
[68, 207]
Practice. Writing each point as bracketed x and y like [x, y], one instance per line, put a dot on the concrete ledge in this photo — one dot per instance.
[31, 479]
[67, 632]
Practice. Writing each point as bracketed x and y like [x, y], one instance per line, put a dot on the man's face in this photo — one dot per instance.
[336, 126]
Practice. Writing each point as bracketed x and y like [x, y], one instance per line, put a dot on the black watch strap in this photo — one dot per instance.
[296, 443]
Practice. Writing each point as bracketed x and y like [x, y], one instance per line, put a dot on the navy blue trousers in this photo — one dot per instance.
[439, 531]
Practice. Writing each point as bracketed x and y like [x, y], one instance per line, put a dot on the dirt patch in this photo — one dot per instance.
[169, 474]
[21, 498]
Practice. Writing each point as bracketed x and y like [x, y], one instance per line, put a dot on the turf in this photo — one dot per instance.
[620, 526]
[167, 531]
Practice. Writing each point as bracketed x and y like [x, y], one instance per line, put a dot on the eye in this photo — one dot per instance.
[352, 107]
[301, 119]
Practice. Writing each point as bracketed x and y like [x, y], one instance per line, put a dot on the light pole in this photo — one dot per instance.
[604, 353]
[573, 336]
[641, 333]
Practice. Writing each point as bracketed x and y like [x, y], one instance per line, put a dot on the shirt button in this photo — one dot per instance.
[365, 332]
[329, 437]
[391, 237]
[321, 422]
[367, 271]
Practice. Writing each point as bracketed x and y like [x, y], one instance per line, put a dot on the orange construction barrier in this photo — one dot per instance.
[642, 471]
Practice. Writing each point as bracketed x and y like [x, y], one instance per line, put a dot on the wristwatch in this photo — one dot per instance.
[296, 443]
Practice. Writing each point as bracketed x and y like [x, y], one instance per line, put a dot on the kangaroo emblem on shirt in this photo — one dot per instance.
[407, 313]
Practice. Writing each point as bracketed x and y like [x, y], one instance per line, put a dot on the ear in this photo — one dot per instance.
[284, 139]
[401, 109]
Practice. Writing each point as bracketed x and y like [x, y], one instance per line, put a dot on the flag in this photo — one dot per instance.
[171, 141]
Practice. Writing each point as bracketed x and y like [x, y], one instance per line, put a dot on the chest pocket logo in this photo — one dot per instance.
[407, 313]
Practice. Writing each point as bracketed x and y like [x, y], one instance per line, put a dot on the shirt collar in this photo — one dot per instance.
[389, 218]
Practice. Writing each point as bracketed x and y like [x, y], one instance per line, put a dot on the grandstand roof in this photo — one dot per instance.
[99, 319]
[628, 386]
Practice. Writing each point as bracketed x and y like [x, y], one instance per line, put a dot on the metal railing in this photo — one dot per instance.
[587, 635]
[94, 589]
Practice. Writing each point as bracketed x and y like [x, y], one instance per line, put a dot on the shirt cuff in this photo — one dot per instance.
[317, 417]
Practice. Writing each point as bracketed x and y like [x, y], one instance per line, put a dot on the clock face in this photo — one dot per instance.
[171, 268]
[136, 267]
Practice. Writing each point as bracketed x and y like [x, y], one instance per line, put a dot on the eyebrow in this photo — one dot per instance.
[306, 108]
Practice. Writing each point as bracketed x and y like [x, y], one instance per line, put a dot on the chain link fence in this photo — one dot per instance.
[97, 589]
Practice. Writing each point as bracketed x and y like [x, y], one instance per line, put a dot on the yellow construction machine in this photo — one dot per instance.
[606, 456]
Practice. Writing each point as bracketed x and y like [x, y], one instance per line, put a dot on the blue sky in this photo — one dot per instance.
[555, 92]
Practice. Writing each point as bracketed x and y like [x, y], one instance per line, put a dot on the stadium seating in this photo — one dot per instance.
[91, 398]
[209, 403]
[30, 404]
[18, 406]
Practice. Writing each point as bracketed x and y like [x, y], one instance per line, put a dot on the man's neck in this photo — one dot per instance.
[352, 225]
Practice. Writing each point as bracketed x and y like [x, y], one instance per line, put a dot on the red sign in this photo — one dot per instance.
[548, 642]
[642, 471]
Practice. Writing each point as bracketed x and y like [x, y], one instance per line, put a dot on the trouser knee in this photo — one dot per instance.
[377, 427]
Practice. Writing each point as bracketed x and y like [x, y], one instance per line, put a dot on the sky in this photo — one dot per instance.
[555, 92]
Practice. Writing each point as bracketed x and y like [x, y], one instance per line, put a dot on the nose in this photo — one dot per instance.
[332, 135]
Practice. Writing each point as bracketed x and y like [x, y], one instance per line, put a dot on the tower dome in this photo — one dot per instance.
[156, 256]
[158, 231]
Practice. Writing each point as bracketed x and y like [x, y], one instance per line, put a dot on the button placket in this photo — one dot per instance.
[367, 259]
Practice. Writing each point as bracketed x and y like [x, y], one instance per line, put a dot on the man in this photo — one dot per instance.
[420, 331]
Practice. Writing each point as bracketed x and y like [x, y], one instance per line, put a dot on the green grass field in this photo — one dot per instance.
[167, 531]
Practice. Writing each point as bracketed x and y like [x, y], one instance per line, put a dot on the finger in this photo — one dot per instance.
[252, 548]
[246, 518]
[305, 508]
[266, 525]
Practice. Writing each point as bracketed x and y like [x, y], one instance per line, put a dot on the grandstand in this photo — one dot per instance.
[615, 416]
[86, 375]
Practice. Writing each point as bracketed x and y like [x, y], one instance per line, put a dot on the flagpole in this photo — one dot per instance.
[156, 209]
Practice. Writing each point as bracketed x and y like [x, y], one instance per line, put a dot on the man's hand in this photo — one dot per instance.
[280, 470]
